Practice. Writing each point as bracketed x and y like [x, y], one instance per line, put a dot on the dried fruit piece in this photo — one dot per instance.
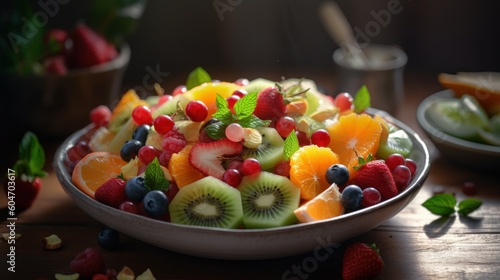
[51, 242]
[126, 274]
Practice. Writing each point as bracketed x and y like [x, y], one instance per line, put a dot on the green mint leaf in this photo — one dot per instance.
[291, 145]
[441, 204]
[253, 121]
[361, 100]
[224, 115]
[469, 205]
[221, 102]
[216, 130]
[31, 156]
[246, 105]
[154, 177]
[197, 77]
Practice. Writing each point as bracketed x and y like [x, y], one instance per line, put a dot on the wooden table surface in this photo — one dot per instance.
[415, 244]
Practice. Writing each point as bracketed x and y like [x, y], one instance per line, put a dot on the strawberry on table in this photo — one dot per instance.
[361, 261]
[377, 175]
[25, 184]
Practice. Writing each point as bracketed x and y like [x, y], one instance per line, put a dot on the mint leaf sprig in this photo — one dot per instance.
[154, 178]
[243, 115]
[291, 145]
[31, 157]
[445, 204]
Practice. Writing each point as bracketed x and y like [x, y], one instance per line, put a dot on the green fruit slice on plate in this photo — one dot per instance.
[451, 117]
[489, 137]
[397, 142]
[477, 114]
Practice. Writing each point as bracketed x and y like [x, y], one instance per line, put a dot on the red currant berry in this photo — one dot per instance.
[285, 125]
[231, 100]
[196, 111]
[469, 188]
[142, 115]
[343, 101]
[371, 196]
[148, 153]
[412, 165]
[232, 177]
[242, 82]
[320, 138]
[240, 93]
[163, 124]
[179, 90]
[394, 160]
[250, 166]
[303, 139]
[282, 168]
[402, 177]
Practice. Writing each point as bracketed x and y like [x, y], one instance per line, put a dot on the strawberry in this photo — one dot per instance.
[375, 174]
[57, 38]
[270, 104]
[90, 48]
[206, 157]
[361, 262]
[88, 263]
[112, 192]
[25, 192]
[55, 65]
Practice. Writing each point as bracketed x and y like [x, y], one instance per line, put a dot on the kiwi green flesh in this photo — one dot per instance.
[167, 108]
[397, 142]
[207, 202]
[258, 85]
[269, 152]
[268, 200]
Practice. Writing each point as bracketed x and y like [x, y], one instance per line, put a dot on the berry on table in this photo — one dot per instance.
[88, 263]
[361, 261]
[469, 188]
[108, 238]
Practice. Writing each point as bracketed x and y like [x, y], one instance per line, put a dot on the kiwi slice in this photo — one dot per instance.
[207, 202]
[397, 142]
[268, 200]
[270, 151]
[168, 108]
[257, 85]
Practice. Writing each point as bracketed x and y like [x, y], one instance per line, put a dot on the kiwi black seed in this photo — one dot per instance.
[268, 200]
[207, 202]
[270, 151]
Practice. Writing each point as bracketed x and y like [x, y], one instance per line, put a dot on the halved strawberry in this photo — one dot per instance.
[112, 192]
[207, 157]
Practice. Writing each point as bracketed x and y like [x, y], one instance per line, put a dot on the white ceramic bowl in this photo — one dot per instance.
[240, 244]
[463, 152]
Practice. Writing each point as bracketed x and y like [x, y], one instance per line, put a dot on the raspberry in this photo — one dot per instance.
[88, 263]
[174, 145]
[174, 133]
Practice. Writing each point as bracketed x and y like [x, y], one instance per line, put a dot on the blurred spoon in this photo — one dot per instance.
[340, 31]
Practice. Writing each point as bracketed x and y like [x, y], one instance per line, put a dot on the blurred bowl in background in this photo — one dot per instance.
[57, 105]
[466, 153]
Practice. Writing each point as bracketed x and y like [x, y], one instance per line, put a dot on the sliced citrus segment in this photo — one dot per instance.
[353, 136]
[326, 205]
[94, 169]
[181, 170]
[123, 110]
[207, 93]
[308, 167]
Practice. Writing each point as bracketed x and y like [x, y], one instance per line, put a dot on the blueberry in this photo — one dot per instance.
[108, 238]
[155, 203]
[136, 189]
[130, 149]
[338, 174]
[141, 133]
[352, 196]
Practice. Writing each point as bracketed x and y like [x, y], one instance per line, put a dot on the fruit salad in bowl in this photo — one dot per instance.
[242, 170]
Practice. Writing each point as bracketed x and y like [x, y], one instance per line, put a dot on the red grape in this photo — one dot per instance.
[240, 93]
[196, 111]
[128, 206]
[320, 138]
[242, 82]
[285, 125]
[412, 165]
[343, 101]
[394, 160]
[148, 153]
[100, 115]
[231, 100]
[371, 196]
[142, 115]
[250, 166]
[303, 139]
[163, 124]
[282, 168]
[402, 177]
[232, 177]
[469, 188]
[179, 90]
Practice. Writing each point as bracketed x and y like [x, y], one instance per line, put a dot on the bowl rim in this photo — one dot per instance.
[436, 134]
[417, 182]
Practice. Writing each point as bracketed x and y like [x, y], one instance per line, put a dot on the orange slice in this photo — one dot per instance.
[181, 170]
[308, 166]
[353, 136]
[123, 110]
[324, 206]
[95, 169]
[207, 93]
